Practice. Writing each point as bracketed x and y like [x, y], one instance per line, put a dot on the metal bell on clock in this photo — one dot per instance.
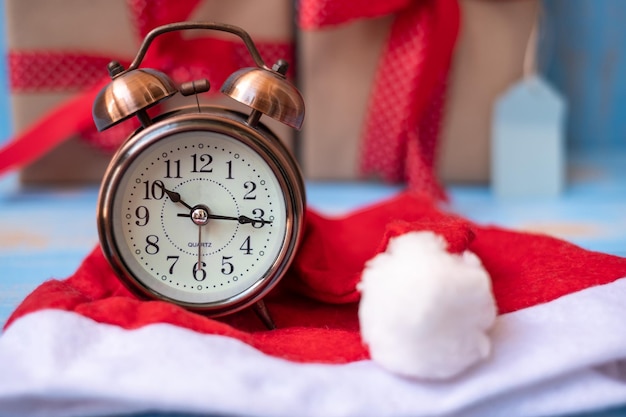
[267, 92]
[130, 93]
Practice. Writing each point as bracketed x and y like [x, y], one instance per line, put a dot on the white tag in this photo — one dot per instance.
[528, 142]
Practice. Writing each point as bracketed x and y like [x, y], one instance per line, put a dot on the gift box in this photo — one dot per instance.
[47, 68]
[393, 93]
[58, 52]
[373, 77]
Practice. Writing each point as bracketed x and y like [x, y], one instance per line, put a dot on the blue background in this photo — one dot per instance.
[582, 50]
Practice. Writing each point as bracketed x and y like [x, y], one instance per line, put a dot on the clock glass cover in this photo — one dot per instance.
[197, 217]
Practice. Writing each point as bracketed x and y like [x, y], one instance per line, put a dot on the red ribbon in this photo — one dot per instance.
[182, 59]
[404, 113]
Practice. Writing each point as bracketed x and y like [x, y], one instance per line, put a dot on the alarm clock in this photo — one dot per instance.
[202, 206]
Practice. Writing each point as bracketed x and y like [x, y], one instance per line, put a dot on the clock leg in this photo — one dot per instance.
[264, 315]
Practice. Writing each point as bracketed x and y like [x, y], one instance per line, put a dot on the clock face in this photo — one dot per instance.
[198, 218]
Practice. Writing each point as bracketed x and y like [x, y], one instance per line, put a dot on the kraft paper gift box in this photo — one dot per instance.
[59, 49]
[372, 75]
[341, 61]
[43, 38]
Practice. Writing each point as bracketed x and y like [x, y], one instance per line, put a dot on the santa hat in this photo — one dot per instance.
[397, 289]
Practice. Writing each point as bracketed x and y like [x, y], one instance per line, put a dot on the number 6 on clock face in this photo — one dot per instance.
[201, 211]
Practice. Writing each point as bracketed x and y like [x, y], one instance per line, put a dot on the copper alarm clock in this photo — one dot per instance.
[203, 205]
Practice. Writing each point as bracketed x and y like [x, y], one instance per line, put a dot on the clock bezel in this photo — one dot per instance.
[233, 124]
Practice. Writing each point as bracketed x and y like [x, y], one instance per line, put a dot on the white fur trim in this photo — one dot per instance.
[425, 312]
[60, 364]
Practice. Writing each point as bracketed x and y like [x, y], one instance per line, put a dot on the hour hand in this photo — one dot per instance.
[174, 196]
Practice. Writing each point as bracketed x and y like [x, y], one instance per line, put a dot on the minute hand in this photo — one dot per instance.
[240, 219]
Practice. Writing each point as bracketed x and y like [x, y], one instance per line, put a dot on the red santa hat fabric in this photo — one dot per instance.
[71, 339]
[526, 269]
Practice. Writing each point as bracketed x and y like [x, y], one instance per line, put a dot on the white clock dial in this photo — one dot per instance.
[199, 217]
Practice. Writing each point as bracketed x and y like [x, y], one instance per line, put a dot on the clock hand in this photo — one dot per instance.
[174, 196]
[240, 219]
[246, 219]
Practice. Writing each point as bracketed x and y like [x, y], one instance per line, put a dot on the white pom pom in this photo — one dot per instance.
[425, 312]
